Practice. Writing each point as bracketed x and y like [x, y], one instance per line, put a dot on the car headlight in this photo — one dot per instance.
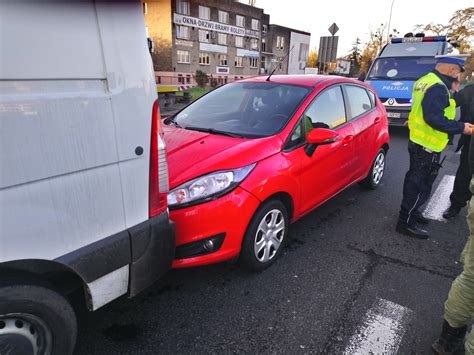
[207, 187]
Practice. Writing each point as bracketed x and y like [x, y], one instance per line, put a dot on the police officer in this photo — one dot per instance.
[431, 121]
[461, 193]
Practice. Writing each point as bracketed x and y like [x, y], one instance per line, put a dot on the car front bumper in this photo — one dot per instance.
[227, 217]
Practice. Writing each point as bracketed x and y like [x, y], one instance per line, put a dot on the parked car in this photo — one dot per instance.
[83, 171]
[251, 157]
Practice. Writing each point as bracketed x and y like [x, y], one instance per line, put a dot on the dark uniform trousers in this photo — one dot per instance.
[419, 179]
[461, 193]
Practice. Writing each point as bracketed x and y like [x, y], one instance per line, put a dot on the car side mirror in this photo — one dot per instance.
[321, 136]
[317, 137]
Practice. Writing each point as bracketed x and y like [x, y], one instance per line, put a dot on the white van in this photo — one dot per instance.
[83, 171]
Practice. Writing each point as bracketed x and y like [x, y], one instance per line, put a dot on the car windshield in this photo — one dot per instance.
[401, 68]
[245, 109]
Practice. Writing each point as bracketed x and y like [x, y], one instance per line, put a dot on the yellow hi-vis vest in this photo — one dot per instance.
[420, 132]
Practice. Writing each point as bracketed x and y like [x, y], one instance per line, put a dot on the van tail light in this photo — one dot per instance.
[158, 184]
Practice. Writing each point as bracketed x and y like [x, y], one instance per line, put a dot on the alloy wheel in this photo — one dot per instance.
[269, 235]
[379, 168]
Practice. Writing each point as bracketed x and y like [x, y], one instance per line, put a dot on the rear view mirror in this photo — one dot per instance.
[321, 136]
[317, 137]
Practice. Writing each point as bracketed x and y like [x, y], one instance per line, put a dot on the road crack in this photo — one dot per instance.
[388, 259]
[333, 337]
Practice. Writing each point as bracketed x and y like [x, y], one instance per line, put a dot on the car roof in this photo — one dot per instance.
[302, 79]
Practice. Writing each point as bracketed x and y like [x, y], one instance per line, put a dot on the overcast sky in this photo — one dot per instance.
[356, 17]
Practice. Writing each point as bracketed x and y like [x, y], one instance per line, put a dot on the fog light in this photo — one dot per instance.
[200, 247]
[208, 245]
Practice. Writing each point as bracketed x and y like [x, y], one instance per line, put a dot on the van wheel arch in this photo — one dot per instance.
[49, 274]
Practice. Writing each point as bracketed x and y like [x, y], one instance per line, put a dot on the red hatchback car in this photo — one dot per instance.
[251, 157]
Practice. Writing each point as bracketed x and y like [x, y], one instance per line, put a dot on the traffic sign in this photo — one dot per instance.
[327, 49]
[333, 29]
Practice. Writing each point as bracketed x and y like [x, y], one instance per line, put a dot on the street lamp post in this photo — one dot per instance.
[389, 22]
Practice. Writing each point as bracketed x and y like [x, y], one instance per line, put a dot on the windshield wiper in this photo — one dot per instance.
[172, 120]
[214, 131]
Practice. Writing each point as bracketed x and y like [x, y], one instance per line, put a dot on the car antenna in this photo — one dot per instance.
[287, 54]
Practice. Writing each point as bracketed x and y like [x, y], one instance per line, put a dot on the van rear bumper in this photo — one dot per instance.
[153, 246]
[148, 248]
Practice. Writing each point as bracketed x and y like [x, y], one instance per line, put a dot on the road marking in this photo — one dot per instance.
[439, 201]
[381, 331]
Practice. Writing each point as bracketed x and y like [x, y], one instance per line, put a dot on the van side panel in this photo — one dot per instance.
[132, 85]
[60, 186]
[45, 34]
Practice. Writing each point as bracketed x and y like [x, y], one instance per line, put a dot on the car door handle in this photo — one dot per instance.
[377, 120]
[347, 140]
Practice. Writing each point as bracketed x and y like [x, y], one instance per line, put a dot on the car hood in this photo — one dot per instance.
[192, 154]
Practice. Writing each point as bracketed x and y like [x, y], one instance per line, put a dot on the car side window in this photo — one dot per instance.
[373, 101]
[298, 135]
[359, 101]
[327, 110]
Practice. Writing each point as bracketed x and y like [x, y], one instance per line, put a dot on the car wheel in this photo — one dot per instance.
[377, 170]
[35, 320]
[266, 233]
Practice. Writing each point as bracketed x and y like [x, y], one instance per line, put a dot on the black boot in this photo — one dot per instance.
[450, 341]
[419, 218]
[451, 212]
[411, 230]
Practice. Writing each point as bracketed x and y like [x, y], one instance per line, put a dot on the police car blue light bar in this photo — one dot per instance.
[419, 39]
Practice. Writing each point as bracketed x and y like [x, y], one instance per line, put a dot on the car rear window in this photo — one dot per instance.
[247, 109]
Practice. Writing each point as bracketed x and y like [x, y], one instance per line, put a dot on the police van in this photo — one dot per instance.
[399, 64]
[83, 169]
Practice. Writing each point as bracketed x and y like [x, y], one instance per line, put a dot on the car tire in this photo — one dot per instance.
[377, 170]
[260, 249]
[35, 317]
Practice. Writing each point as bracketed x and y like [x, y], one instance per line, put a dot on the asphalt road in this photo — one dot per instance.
[341, 263]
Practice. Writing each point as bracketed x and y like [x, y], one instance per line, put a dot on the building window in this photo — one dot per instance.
[182, 7]
[204, 12]
[254, 43]
[255, 24]
[239, 21]
[223, 17]
[180, 79]
[222, 38]
[264, 29]
[183, 57]
[204, 58]
[264, 45]
[239, 61]
[204, 36]
[145, 8]
[182, 32]
[280, 42]
[188, 79]
[253, 62]
[303, 55]
[239, 41]
[147, 33]
[223, 59]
